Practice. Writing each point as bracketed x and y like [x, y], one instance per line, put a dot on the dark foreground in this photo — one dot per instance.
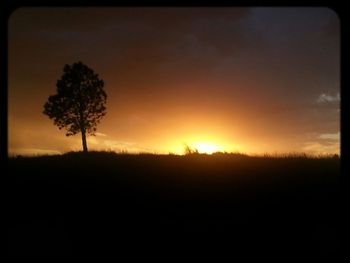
[105, 204]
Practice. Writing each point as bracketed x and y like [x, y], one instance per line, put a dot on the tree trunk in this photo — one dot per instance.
[83, 137]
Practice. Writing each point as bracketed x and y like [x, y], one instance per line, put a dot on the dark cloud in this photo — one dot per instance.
[169, 39]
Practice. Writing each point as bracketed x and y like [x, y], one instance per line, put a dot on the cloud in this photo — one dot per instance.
[123, 146]
[315, 147]
[97, 143]
[32, 151]
[168, 38]
[116, 143]
[330, 136]
[326, 98]
[100, 134]
[323, 143]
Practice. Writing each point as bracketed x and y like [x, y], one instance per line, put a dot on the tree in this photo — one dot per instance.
[79, 103]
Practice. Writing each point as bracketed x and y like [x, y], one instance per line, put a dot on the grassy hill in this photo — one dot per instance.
[104, 202]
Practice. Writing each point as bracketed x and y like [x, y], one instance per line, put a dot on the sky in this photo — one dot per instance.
[251, 80]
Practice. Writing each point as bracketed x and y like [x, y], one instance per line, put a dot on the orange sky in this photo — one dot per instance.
[253, 80]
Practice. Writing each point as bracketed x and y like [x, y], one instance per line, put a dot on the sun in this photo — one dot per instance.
[206, 147]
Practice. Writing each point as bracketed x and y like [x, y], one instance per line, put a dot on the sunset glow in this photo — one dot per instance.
[250, 80]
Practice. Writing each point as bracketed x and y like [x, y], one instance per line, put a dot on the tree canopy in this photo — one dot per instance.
[79, 103]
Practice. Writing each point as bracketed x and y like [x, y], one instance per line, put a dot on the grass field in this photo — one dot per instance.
[102, 202]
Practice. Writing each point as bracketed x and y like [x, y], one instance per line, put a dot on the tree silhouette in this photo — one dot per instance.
[79, 103]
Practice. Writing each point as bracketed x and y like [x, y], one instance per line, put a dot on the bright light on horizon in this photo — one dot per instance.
[206, 147]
